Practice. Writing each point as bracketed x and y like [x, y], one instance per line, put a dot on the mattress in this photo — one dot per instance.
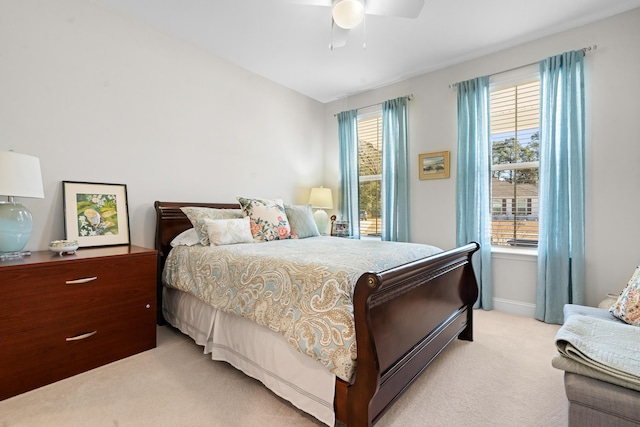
[299, 288]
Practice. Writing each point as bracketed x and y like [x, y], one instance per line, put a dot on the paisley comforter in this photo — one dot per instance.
[302, 288]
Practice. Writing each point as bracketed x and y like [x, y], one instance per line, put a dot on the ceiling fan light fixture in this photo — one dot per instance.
[348, 14]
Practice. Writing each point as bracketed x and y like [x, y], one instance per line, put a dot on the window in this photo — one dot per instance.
[515, 155]
[370, 172]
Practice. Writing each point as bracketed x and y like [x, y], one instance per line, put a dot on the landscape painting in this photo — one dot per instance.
[434, 165]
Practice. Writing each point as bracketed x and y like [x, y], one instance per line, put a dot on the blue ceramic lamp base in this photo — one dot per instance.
[16, 224]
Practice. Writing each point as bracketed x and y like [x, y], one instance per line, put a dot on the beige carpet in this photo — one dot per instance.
[503, 378]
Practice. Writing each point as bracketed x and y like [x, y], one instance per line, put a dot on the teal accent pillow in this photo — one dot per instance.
[301, 221]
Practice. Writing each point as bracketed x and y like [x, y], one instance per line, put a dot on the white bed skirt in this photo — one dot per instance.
[255, 350]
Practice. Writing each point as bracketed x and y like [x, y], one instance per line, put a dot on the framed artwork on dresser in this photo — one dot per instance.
[96, 214]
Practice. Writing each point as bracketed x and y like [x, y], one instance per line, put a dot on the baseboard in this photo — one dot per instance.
[514, 307]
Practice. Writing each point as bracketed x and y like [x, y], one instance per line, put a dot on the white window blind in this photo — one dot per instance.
[370, 170]
[515, 137]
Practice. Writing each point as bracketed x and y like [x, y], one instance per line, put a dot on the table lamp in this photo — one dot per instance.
[20, 176]
[320, 199]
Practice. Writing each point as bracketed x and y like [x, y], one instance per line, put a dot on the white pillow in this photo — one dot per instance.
[228, 231]
[186, 238]
[197, 215]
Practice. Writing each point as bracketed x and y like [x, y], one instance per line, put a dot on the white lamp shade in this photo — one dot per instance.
[348, 14]
[20, 175]
[321, 198]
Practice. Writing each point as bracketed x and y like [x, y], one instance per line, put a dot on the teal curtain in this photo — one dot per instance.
[473, 218]
[395, 179]
[561, 261]
[349, 174]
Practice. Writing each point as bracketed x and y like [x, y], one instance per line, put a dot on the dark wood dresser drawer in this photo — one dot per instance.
[73, 288]
[64, 315]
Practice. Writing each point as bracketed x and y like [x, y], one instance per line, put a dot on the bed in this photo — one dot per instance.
[404, 317]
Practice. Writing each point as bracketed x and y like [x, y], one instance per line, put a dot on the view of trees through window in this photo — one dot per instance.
[370, 170]
[515, 154]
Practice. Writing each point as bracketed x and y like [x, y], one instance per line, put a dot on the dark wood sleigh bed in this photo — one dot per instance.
[430, 300]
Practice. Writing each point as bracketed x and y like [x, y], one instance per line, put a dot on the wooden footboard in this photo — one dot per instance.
[404, 318]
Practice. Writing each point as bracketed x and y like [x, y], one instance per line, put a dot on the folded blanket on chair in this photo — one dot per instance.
[612, 348]
[568, 365]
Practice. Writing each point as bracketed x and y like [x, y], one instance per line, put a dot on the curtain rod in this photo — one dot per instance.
[584, 50]
[409, 98]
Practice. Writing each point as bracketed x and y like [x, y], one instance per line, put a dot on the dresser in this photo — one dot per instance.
[62, 315]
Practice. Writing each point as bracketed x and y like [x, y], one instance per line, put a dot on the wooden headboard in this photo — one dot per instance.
[171, 221]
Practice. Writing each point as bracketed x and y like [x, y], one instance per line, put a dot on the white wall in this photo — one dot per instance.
[100, 97]
[612, 153]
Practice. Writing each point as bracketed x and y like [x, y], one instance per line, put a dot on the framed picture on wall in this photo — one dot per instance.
[96, 214]
[433, 165]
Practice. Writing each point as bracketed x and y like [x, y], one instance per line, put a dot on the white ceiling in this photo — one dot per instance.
[288, 42]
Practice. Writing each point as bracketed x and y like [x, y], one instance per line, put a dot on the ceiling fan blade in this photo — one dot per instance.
[338, 36]
[311, 2]
[397, 8]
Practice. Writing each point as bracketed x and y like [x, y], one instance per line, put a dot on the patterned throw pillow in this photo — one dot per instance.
[268, 219]
[301, 221]
[627, 307]
[197, 216]
[229, 231]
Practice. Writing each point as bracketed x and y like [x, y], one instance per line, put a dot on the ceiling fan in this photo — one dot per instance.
[349, 14]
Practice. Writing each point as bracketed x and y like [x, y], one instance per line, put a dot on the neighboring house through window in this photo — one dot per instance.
[515, 155]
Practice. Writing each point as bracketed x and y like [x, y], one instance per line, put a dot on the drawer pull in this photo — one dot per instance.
[81, 336]
[79, 281]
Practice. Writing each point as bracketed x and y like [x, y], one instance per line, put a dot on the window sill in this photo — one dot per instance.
[500, 252]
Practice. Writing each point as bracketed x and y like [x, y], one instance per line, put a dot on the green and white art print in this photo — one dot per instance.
[96, 214]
